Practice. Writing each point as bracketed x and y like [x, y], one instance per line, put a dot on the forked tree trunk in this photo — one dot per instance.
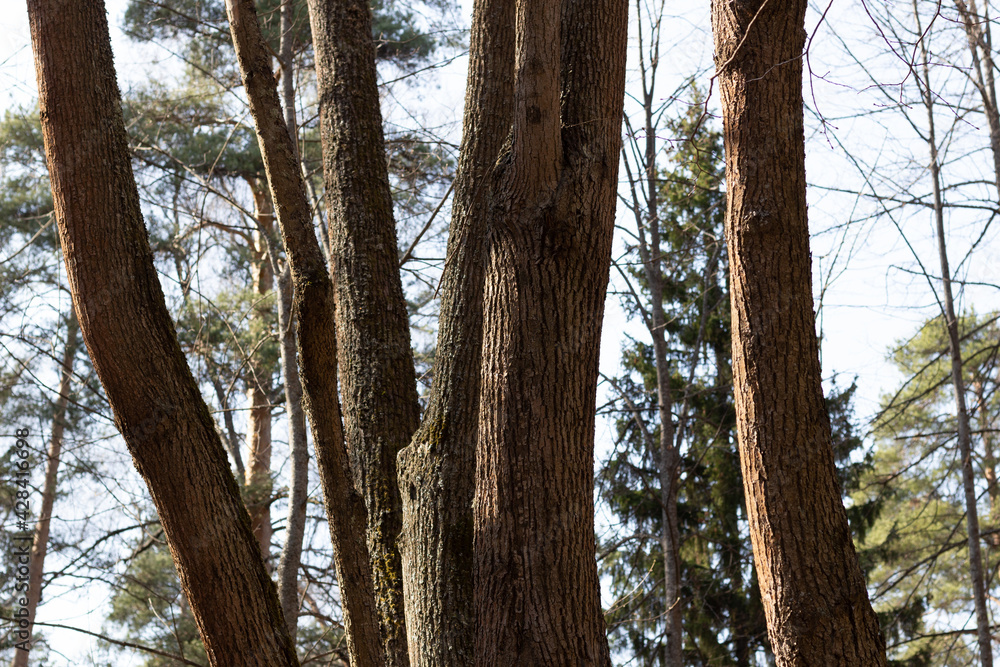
[437, 471]
[552, 217]
[40, 543]
[377, 378]
[812, 587]
[132, 343]
[313, 310]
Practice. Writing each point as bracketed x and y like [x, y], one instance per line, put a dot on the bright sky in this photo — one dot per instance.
[871, 303]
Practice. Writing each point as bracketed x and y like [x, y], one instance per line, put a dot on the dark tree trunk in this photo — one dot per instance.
[377, 377]
[132, 343]
[437, 471]
[313, 310]
[552, 217]
[812, 587]
[40, 543]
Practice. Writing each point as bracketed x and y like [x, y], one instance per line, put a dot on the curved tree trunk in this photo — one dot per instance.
[812, 587]
[313, 310]
[437, 471]
[552, 217]
[40, 544]
[132, 343]
[377, 378]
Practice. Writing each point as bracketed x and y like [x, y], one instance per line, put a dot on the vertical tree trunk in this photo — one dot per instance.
[437, 471]
[258, 471]
[40, 544]
[957, 377]
[132, 343]
[812, 587]
[377, 378]
[552, 218]
[979, 35]
[313, 310]
[298, 491]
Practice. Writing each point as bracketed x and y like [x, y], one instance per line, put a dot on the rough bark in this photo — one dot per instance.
[40, 543]
[313, 310]
[377, 376]
[957, 376]
[298, 491]
[132, 343]
[437, 471]
[812, 587]
[552, 214]
[258, 472]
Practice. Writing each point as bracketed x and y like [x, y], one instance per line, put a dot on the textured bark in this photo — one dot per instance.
[40, 543]
[132, 343]
[313, 310]
[377, 377]
[957, 375]
[812, 587]
[437, 471]
[258, 471]
[298, 484]
[552, 214]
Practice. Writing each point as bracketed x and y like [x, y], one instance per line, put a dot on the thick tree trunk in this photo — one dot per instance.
[40, 544]
[128, 332]
[552, 218]
[313, 310]
[979, 35]
[812, 587]
[258, 472]
[377, 378]
[437, 471]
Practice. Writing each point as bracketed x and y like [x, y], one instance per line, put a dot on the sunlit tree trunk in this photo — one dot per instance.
[812, 587]
[131, 340]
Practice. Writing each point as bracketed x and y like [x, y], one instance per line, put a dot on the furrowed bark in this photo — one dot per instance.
[552, 215]
[437, 471]
[132, 343]
[812, 587]
[40, 543]
[377, 377]
[313, 309]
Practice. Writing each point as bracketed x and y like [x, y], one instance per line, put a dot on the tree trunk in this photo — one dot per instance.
[258, 472]
[552, 217]
[132, 343]
[979, 35]
[298, 485]
[40, 544]
[957, 377]
[437, 471]
[377, 378]
[812, 587]
[313, 310]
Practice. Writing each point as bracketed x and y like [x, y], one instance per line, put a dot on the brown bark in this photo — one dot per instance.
[258, 472]
[812, 587]
[40, 543]
[377, 377]
[132, 343]
[313, 310]
[437, 471]
[980, 38]
[552, 215]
